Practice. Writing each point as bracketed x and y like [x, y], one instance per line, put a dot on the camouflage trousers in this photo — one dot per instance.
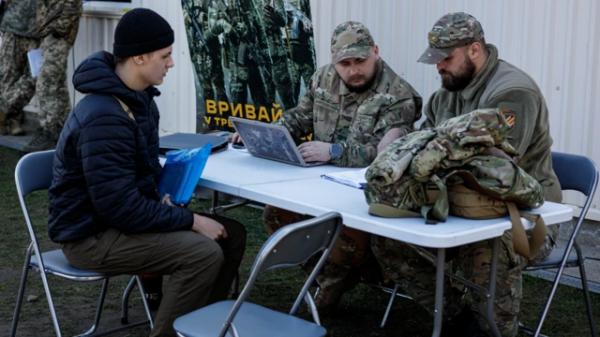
[402, 264]
[16, 84]
[350, 260]
[51, 85]
[17, 87]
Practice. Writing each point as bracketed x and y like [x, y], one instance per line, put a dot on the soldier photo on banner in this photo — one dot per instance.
[252, 58]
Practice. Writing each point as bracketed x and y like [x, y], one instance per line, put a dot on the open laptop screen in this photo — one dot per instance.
[268, 141]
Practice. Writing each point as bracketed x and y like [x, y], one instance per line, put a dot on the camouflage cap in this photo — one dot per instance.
[450, 31]
[350, 39]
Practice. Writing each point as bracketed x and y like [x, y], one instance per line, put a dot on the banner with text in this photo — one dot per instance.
[252, 58]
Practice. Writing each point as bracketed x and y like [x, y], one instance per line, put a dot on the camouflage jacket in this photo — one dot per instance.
[357, 122]
[502, 85]
[60, 18]
[39, 18]
[470, 148]
[20, 18]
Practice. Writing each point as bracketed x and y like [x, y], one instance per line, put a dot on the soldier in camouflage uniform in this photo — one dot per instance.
[349, 105]
[58, 29]
[53, 27]
[246, 54]
[300, 32]
[19, 34]
[200, 17]
[274, 13]
[473, 77]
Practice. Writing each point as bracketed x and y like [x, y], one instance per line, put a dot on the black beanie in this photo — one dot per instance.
[141, 31]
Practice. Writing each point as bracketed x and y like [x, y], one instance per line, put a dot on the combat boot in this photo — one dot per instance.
[15, 127]
[42, 140]
[333, 282]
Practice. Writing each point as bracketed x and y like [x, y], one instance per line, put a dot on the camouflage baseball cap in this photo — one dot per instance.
[450, 31]
[350, 39]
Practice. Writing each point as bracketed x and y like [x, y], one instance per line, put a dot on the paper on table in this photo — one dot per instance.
[35, 58]
[354, 178]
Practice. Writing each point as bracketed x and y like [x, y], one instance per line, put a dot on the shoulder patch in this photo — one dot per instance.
[509, 116]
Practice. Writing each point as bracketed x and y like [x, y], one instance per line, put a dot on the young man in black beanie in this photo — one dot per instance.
[104, 205]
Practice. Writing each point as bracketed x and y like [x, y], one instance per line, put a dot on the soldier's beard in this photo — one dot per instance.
[361, 87]
[461, 79]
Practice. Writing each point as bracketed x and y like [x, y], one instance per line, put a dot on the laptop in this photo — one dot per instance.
[269, 141]
[178, 141]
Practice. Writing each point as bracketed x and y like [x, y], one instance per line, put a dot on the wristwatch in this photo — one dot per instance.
[335, 151]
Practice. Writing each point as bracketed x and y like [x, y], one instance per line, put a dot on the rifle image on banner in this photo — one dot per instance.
[259, 34]
[197, 33]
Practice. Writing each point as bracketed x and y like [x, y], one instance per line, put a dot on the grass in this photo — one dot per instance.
[358, 314]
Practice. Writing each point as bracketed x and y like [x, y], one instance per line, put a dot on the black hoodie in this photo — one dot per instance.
[106, 165]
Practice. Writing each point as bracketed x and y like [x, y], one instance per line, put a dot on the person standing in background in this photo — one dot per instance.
[58, 29]
[51, 26]
[19, 34]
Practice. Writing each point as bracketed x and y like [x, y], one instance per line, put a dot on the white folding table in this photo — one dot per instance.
[302, 190]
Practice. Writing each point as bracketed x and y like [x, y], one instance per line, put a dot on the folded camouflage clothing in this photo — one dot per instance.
[464, 167]
[407, 178]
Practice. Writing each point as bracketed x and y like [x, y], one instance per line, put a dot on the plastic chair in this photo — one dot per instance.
[34, 173]
[577, 173]
[289, 246]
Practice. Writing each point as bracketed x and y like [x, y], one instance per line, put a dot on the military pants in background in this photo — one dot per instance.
[51, 85]
[350, 261]
[16, 84]
[201, 269]
[402, 264]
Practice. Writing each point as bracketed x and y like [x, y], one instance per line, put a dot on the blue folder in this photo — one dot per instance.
[181, 173]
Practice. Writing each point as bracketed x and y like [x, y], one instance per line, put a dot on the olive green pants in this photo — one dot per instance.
[201, 270]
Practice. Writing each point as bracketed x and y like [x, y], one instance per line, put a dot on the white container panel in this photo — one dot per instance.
[555, 42]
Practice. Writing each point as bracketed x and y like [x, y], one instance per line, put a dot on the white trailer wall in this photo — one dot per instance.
[96, 29]
[555, 41]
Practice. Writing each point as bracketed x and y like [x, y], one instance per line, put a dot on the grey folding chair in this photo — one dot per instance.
[577, 173]
[289, 246]
[34, 173]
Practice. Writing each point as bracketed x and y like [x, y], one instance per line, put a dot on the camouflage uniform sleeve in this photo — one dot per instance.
[62, 19]
[299, 120]
[520, 108]
[401, 114]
